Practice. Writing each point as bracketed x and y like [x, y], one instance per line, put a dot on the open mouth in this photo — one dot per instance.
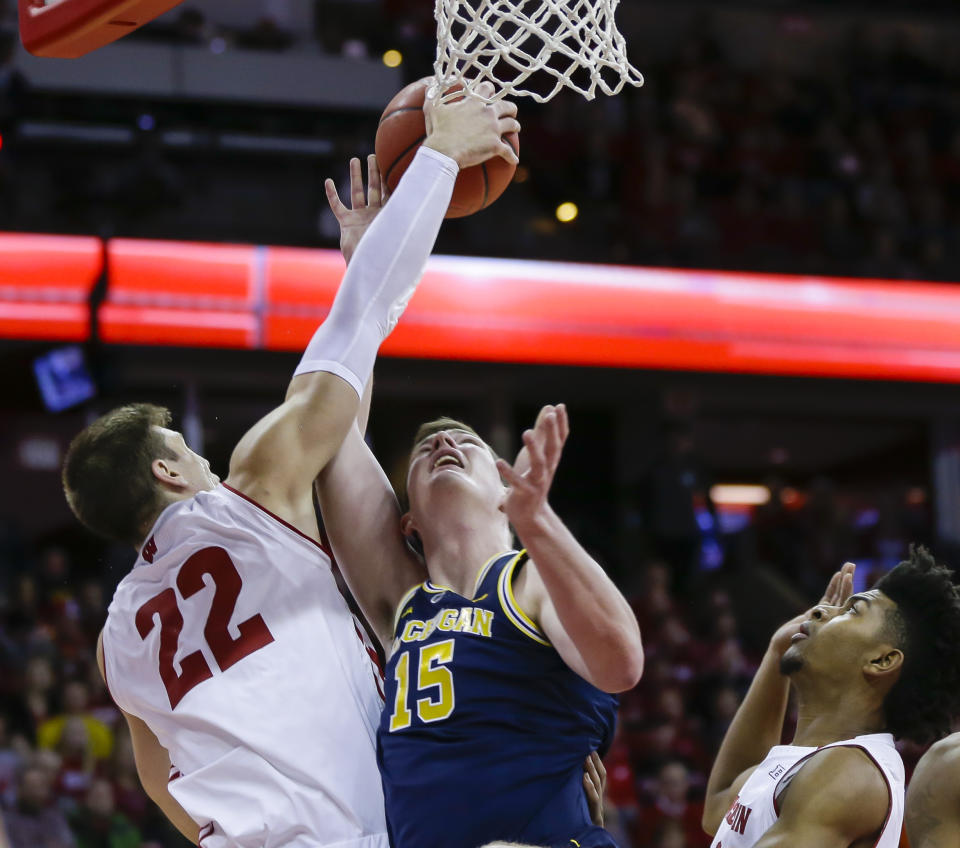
[446, 460]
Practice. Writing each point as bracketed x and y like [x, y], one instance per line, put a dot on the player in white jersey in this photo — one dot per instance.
[867, 668]
[251, 698]
[933, 797]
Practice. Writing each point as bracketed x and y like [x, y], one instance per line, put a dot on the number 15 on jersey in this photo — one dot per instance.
[434, 679]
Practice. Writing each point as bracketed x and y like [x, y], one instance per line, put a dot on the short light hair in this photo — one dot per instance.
[107, 478]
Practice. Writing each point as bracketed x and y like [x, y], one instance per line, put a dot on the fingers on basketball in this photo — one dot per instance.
[403, 128]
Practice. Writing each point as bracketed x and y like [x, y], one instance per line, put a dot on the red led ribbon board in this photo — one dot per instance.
[67, 29]
[240, 296]
[45, 285]
[600, 315]
[181, 293]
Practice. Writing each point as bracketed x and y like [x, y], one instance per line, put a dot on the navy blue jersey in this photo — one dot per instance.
[485, 728]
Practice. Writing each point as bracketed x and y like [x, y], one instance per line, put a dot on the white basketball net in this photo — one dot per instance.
[507, 41]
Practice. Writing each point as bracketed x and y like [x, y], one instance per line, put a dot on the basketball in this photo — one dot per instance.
[402, 130]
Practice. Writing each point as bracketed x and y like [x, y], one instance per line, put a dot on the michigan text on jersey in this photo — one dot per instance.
[474, 620]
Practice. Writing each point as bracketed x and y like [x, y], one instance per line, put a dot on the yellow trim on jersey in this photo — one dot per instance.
[483, 573]
[403, 602]
[434, 589]
[510, 606]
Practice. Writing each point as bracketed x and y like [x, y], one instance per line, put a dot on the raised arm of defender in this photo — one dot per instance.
[278, 459]
[758, 724]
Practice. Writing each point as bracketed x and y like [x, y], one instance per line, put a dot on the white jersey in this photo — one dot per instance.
[231, 640]
[756, 808]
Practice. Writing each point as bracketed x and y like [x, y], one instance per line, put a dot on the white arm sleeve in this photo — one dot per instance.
[384, 273]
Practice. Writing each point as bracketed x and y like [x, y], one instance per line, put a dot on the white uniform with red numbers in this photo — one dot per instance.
[756, 809]
[230, 639]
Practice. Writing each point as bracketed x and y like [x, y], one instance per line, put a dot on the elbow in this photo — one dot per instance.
[633, 667]
[625, 673]
[712, 816]
[707, 822]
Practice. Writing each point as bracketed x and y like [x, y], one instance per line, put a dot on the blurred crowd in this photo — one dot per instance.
[850, 167]
[67, 773]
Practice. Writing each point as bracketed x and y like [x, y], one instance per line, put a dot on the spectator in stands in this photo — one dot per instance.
[13, 751]
[77, 762]
[35, 822]
[129, 796]
[670, 834]
[97, 824]
[75, 708]
[37, 695]
[671, 802]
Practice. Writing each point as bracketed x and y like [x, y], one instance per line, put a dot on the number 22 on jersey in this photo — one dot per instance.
[431, 673]
[227, 651]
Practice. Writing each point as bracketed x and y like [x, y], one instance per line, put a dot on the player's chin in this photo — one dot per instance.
[792, 660]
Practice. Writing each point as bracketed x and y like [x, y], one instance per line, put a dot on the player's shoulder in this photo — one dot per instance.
[946, 749]
[940, 765]
[840, 782]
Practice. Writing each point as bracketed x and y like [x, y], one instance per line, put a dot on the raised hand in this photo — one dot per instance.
[364, 205]
[531, 476]
[839, 589]
[469, 129]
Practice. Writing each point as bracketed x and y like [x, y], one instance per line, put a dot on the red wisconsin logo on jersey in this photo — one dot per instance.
[738, 816]
[149, 550]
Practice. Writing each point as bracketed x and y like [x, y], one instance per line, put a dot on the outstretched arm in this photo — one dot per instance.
[563, 588]
[837, 799]
[362, 519]
[277, 461]
[758, 724]
[360, 511]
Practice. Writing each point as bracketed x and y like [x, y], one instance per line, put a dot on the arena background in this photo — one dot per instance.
[818, 139]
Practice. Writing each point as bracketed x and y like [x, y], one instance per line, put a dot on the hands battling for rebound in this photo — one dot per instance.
[469, 130]
[364, 205]
[530, 477]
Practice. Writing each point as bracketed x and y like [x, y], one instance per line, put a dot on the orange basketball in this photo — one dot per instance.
[402, 130]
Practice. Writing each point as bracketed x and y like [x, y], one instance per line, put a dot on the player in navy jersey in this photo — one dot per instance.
[502, 664]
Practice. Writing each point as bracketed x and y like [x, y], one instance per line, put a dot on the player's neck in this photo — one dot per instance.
[832, 714]
[455, 554]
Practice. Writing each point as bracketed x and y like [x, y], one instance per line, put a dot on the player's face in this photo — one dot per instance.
[838, 640]
[192, 468]
[452, 461]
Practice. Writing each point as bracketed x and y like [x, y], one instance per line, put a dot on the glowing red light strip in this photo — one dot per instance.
[500, 310]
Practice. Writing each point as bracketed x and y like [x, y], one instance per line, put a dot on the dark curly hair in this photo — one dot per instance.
[106, 474]
[926, 626]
